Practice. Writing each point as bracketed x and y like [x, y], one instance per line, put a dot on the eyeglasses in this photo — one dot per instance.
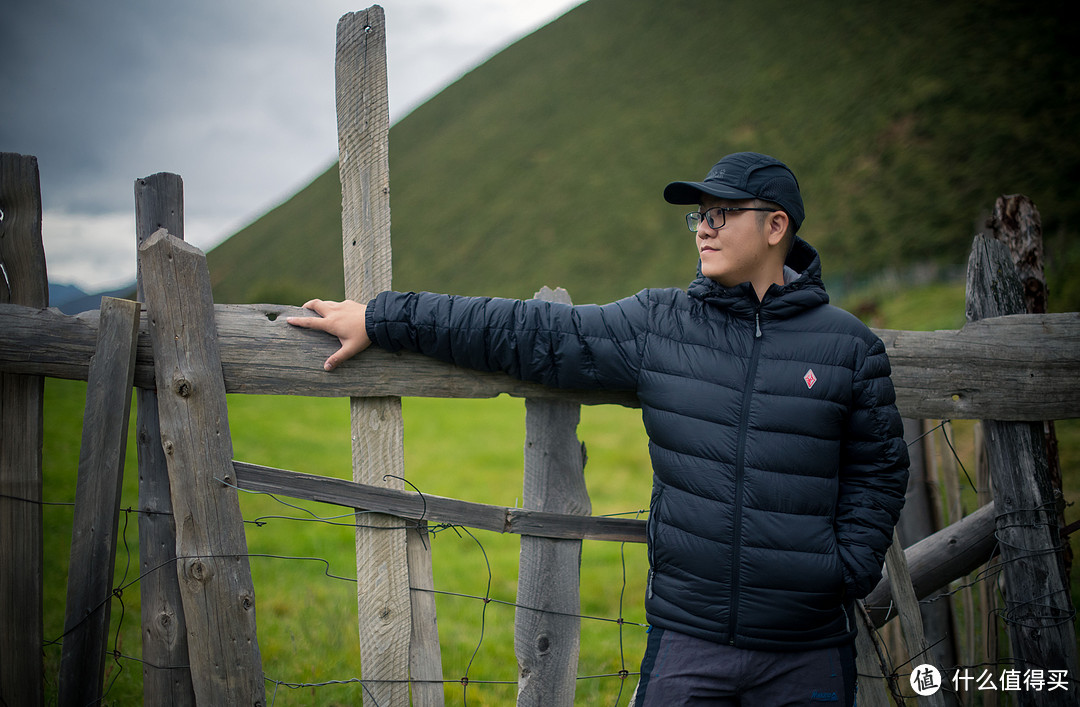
[693, 219]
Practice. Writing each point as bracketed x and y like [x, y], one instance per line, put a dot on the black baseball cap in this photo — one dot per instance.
[744, 175]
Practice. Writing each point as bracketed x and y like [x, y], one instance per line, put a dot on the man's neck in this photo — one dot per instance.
[762, 284]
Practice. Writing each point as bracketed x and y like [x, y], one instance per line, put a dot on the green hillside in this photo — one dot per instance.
[904, 121]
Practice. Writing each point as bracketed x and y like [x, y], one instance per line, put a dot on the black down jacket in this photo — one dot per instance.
[777, 450]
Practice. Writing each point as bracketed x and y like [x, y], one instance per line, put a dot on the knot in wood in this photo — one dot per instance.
[247, 602]
[197, 570]
[543, 644]
[182, 386]
[385, 613]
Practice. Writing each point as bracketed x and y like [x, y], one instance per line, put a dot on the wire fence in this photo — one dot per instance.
[1001, 672]
[483, 599]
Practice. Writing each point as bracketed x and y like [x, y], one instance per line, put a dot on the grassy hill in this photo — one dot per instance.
[545, 165]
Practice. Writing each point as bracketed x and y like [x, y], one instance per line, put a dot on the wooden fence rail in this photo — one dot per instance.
[1014, 367]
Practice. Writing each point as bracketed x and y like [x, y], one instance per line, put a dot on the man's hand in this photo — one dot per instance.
[345, 320]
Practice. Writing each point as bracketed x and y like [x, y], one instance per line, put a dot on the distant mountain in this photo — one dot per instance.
[545, 165]
[70, 299]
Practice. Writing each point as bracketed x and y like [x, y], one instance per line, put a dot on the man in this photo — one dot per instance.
[777, 451]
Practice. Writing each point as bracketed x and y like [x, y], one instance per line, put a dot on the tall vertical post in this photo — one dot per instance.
[159, 203]
[22, 281]
[1039, 610]
[1016, 222]
[385, 615]
[211, 549]
[547, 630]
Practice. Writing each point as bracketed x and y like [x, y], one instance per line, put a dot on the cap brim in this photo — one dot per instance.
[690, 192]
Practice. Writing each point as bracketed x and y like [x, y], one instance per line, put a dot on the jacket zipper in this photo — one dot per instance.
[740, 460]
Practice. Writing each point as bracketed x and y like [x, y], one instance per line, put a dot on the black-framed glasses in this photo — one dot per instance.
[716, 213]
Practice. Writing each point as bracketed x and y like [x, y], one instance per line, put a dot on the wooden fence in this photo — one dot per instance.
[183, 354]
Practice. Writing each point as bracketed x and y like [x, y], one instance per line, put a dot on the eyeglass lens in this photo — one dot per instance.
[714, 217]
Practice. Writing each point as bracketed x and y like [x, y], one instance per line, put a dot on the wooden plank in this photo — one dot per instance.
[97, 505]
[159, 203]
[964, 596]
[989, 604]
[23, 282]
[1004, 369]
[1021, 367]
[910, 618]
[436, 509]
[425, 657]
[547, 630]
[918, 522]
[212, 563]
[871, 664]
[1038, 605]
[382, 574]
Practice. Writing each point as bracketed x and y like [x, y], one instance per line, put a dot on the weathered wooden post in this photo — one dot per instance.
[1016, 222]
[97, 504]
[159, 203]
[1039, 610]
[547, 634]
[385, 610]
[211, 550]
[22, 281]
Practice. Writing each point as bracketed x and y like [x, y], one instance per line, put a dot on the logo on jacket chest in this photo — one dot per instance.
[809, 378]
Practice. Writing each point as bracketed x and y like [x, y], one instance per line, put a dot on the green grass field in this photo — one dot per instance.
[470, 449]
[303, 553]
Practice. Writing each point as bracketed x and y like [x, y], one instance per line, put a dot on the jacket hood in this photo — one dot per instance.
[805, 291]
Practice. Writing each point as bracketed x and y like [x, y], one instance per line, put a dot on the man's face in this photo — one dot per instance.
[735, 253]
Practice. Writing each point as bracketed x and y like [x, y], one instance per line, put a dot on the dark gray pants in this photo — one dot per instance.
[681, 670]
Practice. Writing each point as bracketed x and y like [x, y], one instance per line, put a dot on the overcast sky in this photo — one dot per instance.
[235, 96]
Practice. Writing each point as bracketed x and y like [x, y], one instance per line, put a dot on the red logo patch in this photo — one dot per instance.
[810, 378]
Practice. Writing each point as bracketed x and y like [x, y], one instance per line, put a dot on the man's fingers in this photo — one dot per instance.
[345, 320]
[335, 359]
[343, 354]
[308, 322]
[315, 305]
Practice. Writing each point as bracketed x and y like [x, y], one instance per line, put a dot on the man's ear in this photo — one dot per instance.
[776, 226]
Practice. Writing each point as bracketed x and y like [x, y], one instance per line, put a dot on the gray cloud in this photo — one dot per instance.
[237, 97]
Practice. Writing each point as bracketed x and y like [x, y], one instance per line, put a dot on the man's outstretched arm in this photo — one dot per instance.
[346, 320]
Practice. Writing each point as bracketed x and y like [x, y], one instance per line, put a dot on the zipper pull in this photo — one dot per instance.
[757, 324]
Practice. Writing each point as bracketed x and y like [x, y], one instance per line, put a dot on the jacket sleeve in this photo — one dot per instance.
[873, 474]
[564, 346]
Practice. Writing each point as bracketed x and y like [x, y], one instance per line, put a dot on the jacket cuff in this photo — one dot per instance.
[369, 321]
